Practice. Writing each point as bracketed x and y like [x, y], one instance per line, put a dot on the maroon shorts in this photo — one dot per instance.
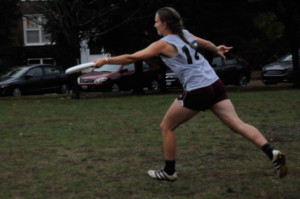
[204, 98]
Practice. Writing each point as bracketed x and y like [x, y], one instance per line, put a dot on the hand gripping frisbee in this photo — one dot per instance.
[79, 67]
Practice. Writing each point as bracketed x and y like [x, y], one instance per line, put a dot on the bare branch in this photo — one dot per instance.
[121, 23]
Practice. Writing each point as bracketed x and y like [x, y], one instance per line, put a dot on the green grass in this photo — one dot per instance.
[101, 147]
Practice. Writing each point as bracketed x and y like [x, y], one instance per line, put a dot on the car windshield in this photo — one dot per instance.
[14, 72]
[286, 58]
[107, 68]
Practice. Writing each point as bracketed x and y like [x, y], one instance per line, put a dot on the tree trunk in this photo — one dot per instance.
[138, 78]
[289, 19]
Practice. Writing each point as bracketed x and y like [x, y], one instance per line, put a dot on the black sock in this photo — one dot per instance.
[268, 150]
[170, 167]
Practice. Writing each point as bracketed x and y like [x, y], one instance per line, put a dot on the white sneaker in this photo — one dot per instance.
[162, 175]
[279, 163]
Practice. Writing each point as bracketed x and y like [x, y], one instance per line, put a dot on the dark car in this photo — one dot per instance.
[33, 79]
[280, 71]
[119, 77]
[234, 71]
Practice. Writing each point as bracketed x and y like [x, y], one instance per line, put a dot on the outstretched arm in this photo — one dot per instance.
[207, 45]
[156, 48]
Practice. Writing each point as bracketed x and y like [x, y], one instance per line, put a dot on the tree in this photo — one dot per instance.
[69, 22]
[287, 13]
[290, 15]
[9, 13]
[129, 27]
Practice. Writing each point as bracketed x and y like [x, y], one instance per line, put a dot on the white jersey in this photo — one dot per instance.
[191, 68]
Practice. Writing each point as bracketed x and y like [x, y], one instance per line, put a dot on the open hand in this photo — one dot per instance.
[221, 50]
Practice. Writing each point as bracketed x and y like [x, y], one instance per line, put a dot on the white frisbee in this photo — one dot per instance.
[79, 67]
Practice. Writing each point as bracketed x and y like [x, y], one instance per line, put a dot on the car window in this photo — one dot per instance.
[107, 68]
[51, 70]
[129, 67]
[217, 61]
[35, 72]
[230, 61]
[286, 58]
[145, 65]
[14, 72]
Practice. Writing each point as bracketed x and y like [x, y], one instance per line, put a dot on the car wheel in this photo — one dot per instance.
[154, 85]
[16, 92]
[64, 89]
[115, 88]
[242, 81]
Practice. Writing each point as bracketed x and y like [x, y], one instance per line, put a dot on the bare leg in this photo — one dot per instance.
[176, 115]
[225, 111]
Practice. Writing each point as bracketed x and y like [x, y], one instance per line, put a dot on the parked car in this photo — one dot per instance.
[171, 80]
[280, 71]
[33, 79]
[119, 77]
[234, 71]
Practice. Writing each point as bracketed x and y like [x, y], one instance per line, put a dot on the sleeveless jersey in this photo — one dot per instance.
[191, 68]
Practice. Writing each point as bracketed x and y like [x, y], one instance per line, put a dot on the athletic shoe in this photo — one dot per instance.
[279, 163]
[162, 175]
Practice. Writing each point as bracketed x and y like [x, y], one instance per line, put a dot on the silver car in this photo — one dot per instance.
[280, 71]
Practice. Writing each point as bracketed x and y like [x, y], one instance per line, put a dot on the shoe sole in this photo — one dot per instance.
[283, 168]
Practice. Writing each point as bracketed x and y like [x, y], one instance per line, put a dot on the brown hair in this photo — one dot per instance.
[174, 22]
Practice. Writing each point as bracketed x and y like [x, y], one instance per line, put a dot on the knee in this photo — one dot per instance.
[165, 127]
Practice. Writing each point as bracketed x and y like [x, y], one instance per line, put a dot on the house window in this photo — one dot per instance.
[41, 61]
[34, 35]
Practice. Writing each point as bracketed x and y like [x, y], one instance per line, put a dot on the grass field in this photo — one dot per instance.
[101, 147]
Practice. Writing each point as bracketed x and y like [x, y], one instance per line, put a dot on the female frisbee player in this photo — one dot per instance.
[202, 89]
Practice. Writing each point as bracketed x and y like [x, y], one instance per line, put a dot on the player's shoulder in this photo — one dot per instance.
[157, 47]
[165, 48]
[159, 43]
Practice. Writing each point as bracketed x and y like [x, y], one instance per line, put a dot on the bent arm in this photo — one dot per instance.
[207, 45]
